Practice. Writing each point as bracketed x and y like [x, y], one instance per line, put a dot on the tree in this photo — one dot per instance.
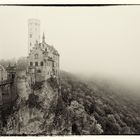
[22, 63]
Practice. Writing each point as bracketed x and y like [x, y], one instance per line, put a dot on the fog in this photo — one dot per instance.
[102, 41]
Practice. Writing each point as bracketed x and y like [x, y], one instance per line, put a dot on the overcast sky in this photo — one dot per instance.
[89, 39]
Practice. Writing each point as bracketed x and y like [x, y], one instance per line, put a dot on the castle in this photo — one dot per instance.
[43, 59]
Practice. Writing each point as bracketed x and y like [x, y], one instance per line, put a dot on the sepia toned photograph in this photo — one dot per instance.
[69, 70]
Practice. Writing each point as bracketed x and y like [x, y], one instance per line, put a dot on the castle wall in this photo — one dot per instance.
[3, 73]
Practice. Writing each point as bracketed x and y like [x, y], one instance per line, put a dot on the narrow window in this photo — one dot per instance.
[36, 63]
[41, 63]
[30, 44]
[31, 63]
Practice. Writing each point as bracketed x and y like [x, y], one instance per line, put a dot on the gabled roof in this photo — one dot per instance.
[44, 47]
[34, 48]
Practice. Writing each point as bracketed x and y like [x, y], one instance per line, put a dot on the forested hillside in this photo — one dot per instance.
[96, 108]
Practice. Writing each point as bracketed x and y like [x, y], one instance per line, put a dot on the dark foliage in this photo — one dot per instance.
[116, 113]
[33, 101]
[37, 85]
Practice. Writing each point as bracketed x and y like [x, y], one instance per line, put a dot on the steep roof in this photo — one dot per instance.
[46, 47]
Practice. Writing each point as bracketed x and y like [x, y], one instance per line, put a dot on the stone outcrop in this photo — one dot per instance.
[29, 119]
[48, 109]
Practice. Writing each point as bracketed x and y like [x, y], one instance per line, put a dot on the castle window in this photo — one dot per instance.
[36, 63]
[31, 63]
[36, 56]
[39, 71]
[30, 44]
[41, 63]
[30, 35]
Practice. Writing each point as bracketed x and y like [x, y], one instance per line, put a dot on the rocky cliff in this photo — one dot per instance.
[27, 116]
[72, 107]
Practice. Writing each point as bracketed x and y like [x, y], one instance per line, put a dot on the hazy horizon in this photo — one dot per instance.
[90, 40]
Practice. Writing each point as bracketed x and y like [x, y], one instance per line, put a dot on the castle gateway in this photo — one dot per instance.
[43, 59]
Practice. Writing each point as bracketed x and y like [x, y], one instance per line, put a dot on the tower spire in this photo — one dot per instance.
[43, 38]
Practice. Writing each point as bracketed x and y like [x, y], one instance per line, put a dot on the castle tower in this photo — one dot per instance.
[33, 33]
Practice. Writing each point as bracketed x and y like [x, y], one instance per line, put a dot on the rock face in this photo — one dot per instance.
[23, 87]
[74, 108]
[46, 109]
[30, 108]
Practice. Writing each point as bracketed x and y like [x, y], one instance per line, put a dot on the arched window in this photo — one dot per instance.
[41, 63]
[36, 63]
[39, 71]
[31, 63]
